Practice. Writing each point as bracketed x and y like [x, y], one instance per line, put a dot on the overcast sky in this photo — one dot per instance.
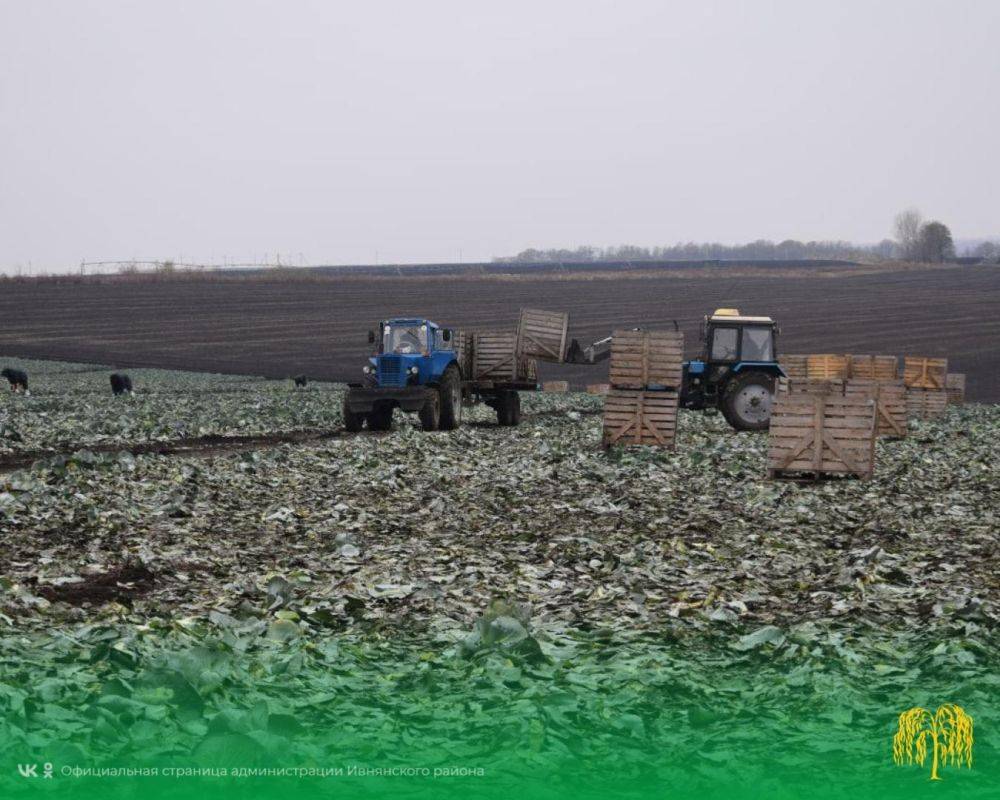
[332, 131]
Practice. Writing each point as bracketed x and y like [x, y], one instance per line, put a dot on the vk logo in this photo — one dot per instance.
[31, 770]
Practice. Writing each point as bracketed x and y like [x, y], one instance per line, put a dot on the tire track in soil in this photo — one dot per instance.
[211, 445]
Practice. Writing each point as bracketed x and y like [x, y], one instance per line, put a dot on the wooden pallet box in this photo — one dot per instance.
[796, 367]
[875, 368]
[640, 417]
[542, 335]
[890, 404]
[925, 373]
[827, 367]
[925, 403]
[822, 434]
[643, 359]
[494, 357]
[954, 383]
[555, 386]
[805, 386]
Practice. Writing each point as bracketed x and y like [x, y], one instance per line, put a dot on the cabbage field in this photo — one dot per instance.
[511, 604]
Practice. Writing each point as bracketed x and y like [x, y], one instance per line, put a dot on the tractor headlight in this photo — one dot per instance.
[414, 370]
[367, 369]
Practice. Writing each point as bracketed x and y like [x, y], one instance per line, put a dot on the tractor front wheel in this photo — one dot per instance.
[450, 391]
[430, 414]
[746, 404]
[352, 420]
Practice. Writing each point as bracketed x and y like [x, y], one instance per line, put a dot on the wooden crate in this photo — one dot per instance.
[643, 359]
[925, 373]
[494, 357]
[542, 335]
[640, 417]
[827, 367]
[890, 404]
[795, 366]
[598, 388]
[925, 403]
[822, 434]
[799, 386]
[875, 368]
[954, 384]
[555, 386]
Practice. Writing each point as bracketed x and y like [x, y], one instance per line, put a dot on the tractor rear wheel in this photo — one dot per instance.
[352, 420]
[451, 399]
[746, 404]
[380, 418]
[430, 414]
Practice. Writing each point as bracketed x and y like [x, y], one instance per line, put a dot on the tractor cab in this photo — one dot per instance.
[737, 371]
[410, 352]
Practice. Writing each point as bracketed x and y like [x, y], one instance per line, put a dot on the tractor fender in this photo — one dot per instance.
[769, 367]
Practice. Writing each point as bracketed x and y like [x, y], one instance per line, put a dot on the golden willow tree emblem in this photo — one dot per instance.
[949, 730]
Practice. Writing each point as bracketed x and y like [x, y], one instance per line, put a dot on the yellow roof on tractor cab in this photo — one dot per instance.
[733, 315]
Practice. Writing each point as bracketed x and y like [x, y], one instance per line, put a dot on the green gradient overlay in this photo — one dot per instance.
[679, 716]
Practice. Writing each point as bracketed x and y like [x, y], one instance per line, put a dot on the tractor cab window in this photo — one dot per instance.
[440, 343]
[724, 344]
[757, 344]
[405, 339]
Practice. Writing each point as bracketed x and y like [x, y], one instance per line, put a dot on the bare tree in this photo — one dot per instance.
[907, 229]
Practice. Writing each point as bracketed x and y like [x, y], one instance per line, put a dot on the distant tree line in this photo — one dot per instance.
[915, 240]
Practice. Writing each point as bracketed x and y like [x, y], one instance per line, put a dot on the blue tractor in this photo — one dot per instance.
[416, 367]
[736, 374]
[738, 371]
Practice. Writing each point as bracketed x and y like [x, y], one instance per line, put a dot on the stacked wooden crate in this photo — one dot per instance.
[954, 384]
[822, 434]
[598, 388]
[796, 367]
[890, 403]
[828, 367]
[926, 386]
[874, 368]
[645, 373]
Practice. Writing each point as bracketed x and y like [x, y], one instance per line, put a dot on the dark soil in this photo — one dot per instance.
[286, 325]
[121, 584]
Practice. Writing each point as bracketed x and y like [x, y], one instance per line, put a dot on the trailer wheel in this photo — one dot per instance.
[451, 399]
[380, 418]
[509, 408]
[430, 414]
[746, 404]
[352, 420]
